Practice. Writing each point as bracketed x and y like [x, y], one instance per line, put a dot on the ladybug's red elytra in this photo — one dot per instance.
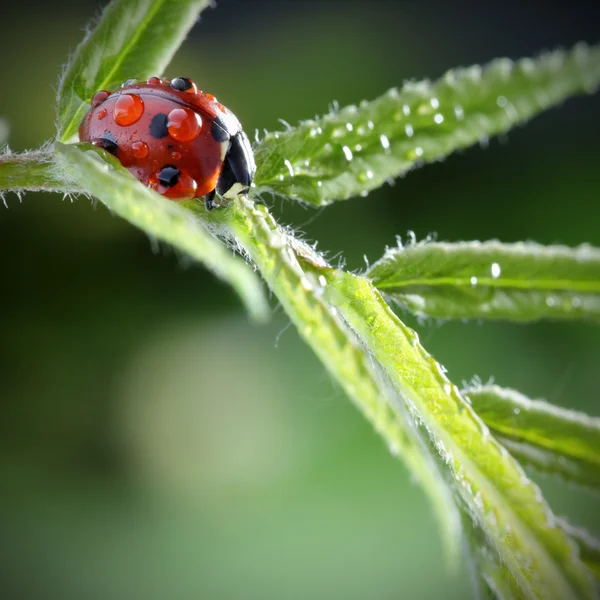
[174, 138]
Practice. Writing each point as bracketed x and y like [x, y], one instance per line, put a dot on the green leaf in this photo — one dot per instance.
[521, 282]
[549, 438]
[280, 258]
[134, 38]
[352, 151]
[589, 546]
[518, 524]
[99, 174]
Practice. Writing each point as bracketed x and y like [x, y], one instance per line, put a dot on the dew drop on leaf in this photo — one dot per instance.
[496, 270]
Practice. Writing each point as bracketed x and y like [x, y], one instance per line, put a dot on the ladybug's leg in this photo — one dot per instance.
[209, 199]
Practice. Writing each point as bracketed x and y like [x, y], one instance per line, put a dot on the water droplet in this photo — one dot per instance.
[289, 167]
[406, 109]
[99, 97]
[155, 81]
[184, 124]
[347, 152]
[438, 118]
[322, 280]
[349, 126]
[365, 176]
[385, 143]
[140, 149]
[357, 148]
[576, 301]
[409, 130]
[501, 101]
[517, 410]
[459, 112]
[551, 301]
[307, 163]
[473, 281]
[175, 155]
[435, 103]
[447, 389]
[280, 177]
[128, 109]
[370, 125]
[101, 114]
[393, 449]
[319, 183]
[495, 270]
[415, 153]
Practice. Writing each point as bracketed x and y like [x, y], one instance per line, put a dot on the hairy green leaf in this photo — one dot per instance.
[521, 282]
[30, 171]
[354, 150]
[134, 38]
[279, 258]
[99, 174]
[589, 546]
[490, 577]
[495, 490]
[551, 439]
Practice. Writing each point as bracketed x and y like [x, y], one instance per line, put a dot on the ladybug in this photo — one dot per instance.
[175, 139]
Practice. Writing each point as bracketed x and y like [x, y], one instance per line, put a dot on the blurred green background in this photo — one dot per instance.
[155, 444]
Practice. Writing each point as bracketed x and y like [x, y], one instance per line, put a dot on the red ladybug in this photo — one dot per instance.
[175, 139]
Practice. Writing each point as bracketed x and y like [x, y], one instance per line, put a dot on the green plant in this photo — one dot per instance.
[455, 442]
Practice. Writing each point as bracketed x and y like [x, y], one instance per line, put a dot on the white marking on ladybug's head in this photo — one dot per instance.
[224, 149]
[237, 189]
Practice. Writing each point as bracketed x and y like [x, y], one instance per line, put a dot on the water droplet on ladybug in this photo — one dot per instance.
[184, 124]
[99, 97]
[183, 84]
[155, 81]
[140, 149]
[128, 109]
[175, 155]
[101, 114]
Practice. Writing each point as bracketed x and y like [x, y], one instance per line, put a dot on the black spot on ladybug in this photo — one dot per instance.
[158, 126]
[218, 131]
[181, 84]
[168, 176]
[109, 142]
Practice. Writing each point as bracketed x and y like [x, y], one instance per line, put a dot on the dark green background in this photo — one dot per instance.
[153, 443]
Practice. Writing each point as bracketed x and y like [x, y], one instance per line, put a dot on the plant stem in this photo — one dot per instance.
[301, 294]
[31, 171]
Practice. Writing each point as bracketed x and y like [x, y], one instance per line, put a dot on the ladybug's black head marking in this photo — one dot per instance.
[238, 167]
[168, 176]
[219, 131]
[181, 84]
[158, 126]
